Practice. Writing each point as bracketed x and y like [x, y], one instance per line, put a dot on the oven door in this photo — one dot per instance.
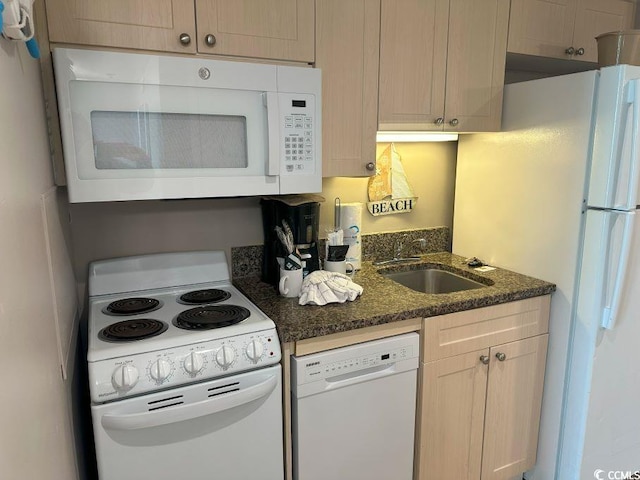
[228, 428]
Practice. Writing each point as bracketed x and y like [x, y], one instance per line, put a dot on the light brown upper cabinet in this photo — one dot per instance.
[164, 25]
[442, 64]
[347, 52]
[565, 28]
[273, 29]
[276, 29]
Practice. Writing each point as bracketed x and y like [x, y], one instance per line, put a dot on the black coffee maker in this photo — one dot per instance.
[302, 214]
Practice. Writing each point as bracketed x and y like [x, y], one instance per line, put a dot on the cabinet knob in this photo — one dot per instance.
[185, 39]
[370, 166]
[439, 121]
[570, 51]
[501, 356]
[210, 40]
[453, 122]
[580, 51]
[484, 359]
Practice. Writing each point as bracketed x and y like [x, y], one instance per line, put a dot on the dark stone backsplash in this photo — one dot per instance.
[247, 261]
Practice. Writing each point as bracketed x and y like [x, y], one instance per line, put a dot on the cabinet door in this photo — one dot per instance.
[347, 52]
[275, 29]
[512, 417]
[451, 417]
[138, 24]
[594, 17]
[477, 49]
[413, 56]
[542, 27]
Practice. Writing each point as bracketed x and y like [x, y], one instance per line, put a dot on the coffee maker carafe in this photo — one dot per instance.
[302, 214]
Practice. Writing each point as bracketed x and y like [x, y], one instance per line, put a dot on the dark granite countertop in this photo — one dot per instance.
[384, 301]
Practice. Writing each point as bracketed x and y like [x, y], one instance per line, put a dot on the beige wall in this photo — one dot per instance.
[36, 440]
[431, 170]
[108, 230]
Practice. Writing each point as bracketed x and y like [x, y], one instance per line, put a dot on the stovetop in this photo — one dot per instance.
[167, 312]
[191, 333]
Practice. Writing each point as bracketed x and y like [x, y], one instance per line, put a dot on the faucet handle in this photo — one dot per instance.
[398, 246]
[422, 242]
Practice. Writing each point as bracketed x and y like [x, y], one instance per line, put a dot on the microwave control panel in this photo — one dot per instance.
[298, 134]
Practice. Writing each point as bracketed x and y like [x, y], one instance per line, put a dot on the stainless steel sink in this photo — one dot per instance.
[432, 280]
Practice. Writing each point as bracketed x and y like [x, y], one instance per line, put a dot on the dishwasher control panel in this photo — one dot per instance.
[361, 359]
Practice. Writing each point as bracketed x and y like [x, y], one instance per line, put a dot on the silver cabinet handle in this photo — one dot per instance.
[210, 40]
[439, 121]
[185, 39]
[501, 356]
[453, 122]
[484, 359]
[570, 51]
[370, 166]
[580, 51]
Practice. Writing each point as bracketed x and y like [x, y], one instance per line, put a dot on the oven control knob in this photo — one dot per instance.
[124, 377]
[160, 370]
[225, 356]
[255, 349]
[193, 363]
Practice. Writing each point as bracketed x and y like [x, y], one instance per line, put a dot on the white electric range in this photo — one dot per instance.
[184, 371]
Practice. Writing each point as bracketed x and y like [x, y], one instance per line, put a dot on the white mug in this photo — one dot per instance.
[290, 282]
[339, 267]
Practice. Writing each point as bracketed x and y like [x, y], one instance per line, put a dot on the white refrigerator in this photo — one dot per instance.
[554, 196]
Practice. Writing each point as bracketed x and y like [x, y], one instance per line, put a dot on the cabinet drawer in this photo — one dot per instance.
[462, 332]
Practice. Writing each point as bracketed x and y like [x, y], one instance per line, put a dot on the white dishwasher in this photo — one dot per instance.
[353, 411]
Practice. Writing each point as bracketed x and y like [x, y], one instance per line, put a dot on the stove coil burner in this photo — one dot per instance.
[211, 316]
[130, 330]
[210, 295]
[132, 306]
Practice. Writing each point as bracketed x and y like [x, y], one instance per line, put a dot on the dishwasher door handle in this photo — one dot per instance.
[360, 376]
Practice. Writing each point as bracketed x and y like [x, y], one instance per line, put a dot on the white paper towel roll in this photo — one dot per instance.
[351, 224]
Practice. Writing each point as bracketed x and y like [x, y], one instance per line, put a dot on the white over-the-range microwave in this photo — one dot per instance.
[139, 126]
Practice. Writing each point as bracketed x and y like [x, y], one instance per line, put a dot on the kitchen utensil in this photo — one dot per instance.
[282, 236]
[287, 231]
[336, 236]
[337, 253]
[286, 236]
[293, 260]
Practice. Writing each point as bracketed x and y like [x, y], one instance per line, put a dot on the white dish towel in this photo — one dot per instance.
[322, 287]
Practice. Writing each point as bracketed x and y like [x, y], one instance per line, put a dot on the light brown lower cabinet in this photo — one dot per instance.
[479, 411]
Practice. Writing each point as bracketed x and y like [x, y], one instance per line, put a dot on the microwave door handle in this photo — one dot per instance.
[273, 122]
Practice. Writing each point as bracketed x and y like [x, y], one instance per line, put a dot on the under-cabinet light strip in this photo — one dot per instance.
[416, 137]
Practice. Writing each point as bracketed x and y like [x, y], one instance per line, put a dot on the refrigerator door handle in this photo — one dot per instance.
[610, 312]
[634, 99]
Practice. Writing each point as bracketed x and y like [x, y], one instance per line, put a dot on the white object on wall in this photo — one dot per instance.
[16, 23]
[389, 189]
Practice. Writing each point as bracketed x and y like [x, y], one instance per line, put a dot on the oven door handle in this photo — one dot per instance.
[170, 415]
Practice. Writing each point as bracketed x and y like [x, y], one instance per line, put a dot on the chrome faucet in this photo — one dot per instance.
[398, 249]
